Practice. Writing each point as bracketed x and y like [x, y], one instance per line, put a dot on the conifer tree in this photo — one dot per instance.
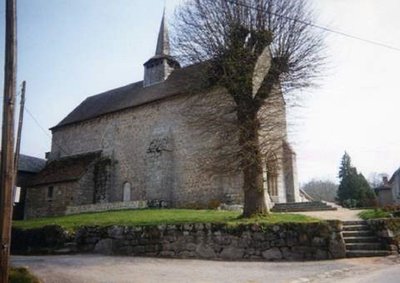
[354, 190]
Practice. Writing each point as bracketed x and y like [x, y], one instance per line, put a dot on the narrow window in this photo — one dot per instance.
[50, 192]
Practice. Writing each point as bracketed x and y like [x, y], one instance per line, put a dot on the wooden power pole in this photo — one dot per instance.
[19, 131]
[7, 139]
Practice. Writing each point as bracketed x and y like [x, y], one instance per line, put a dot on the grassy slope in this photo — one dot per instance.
[22, 275]
[373, 214]
[155, 217]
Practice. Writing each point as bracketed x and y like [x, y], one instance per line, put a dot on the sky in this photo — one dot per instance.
[71, 49]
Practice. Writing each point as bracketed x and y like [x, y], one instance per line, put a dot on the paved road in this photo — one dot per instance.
[102, 269]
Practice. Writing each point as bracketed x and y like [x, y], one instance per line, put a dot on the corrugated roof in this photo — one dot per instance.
[65, 169]
[186, 80]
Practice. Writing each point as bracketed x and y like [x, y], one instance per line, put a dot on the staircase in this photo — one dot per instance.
[360, 240]
[301, 206]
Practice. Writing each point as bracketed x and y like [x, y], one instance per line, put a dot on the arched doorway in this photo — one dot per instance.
[126, 192]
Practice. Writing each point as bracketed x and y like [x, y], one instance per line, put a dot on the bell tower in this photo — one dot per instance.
[160, 66]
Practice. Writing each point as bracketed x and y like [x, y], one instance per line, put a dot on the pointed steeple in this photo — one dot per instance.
[162, 64]
[163, 38]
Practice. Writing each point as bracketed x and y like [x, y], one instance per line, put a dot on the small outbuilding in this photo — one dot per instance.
[389, 192]
[28, 167]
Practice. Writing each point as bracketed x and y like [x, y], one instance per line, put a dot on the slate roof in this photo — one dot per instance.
[65, 169]
[181, 81]
[397, 172]
[30, 164]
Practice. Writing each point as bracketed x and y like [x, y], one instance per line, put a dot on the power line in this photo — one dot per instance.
[318, 26]
[45, 131]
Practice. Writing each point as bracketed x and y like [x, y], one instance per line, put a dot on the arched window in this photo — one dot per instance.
[127, 192]
[272, 175]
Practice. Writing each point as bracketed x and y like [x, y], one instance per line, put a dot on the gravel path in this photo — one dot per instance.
[341, 213]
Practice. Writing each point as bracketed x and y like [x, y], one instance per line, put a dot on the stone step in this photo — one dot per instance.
[356, 222]
[301, 205]
[355, 228]
[302, 209]
[291, 207]
[360, 240]
[368, 239]
[347, 234]
[355, 253]
[364, 246]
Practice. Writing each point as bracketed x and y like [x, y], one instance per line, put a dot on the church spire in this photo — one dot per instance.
[163, 38]
[162, 64]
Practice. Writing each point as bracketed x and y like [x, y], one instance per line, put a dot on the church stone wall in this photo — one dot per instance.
[38, 204]
[273, 135]
[157, 151]
[162, 154]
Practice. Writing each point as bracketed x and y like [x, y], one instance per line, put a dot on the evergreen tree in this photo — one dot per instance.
[354, 190]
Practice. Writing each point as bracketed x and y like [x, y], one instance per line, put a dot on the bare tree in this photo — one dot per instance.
[253, 49]
[321, 190]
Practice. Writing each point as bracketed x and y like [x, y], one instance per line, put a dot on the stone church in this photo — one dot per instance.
[137, 143]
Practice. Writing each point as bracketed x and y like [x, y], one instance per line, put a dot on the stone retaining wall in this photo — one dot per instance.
[311, 241]
[388, 231]
[45, 240]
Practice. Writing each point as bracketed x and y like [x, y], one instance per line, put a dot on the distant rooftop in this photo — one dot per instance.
[30, 164]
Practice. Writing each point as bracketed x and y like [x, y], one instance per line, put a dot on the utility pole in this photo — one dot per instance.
[19, 132]
[18, 143]
[7, 139]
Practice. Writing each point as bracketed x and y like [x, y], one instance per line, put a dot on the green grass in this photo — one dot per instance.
[156, 216]
[22, 275]
[373, 214]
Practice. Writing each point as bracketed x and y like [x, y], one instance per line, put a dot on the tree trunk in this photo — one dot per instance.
[253, 184]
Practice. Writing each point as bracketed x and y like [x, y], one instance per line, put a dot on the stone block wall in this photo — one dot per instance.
[38, 204]
[388, 231]
[273, 142]
[310, 241]
[90, 188]
[45, 240]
